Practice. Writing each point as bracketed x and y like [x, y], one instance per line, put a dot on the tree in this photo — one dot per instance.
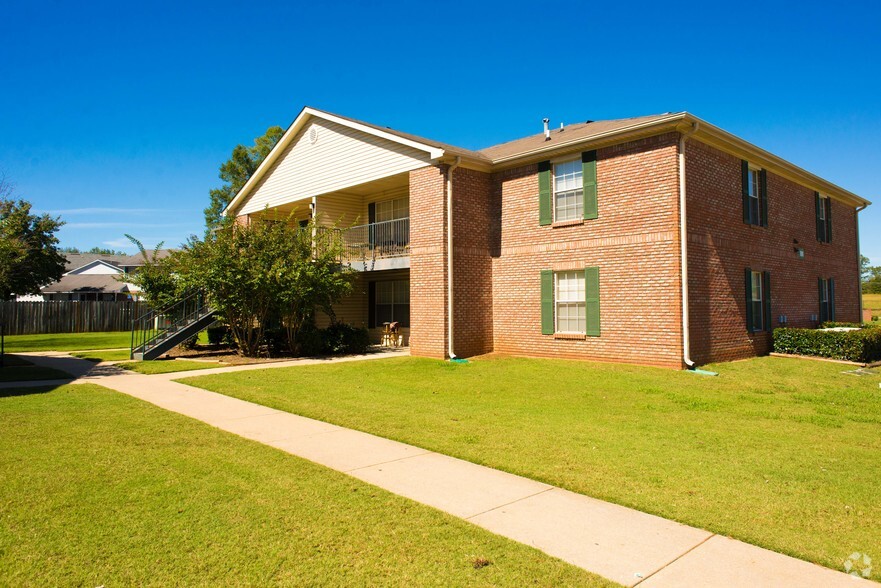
[267, 268]
[157, 279]
[96, 249]
[236, 171]
[865, 268]
[29, 255]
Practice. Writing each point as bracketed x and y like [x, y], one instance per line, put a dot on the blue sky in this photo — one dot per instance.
[117, 115]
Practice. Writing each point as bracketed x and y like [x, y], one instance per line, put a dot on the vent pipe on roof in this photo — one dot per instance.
[547, 128]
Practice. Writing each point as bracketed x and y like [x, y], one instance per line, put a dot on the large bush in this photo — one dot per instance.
[862, 345]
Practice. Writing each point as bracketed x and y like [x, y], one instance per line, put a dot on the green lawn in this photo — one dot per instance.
[167, 366]
[68, 341]
[104, 355]
[778, 452]
[102, 489]
[17, 369]
[872, 301]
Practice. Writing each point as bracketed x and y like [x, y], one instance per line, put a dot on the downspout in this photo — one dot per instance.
[856, 225]
[683, 246]
[450, 258]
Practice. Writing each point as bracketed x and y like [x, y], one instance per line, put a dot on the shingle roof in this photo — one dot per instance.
[574, 132]
[87, 283]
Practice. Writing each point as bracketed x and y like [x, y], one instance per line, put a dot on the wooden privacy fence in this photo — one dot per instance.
[68, 316]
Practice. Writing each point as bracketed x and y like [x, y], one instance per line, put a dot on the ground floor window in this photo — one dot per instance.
[827, 299]
[758, 301]
[570, 302]
[391, 302]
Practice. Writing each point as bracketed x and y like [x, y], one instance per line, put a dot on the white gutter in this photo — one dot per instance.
[856, 225]
[683, 246]
[450, 257]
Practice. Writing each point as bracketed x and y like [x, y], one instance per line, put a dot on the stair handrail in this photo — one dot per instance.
[145, 330]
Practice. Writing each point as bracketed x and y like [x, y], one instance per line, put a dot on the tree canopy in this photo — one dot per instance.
[29, 255]
[236, 171]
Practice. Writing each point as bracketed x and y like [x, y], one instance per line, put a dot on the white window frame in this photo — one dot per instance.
[574, 300]
[393, 209]
[754, 184]
[757, 283]
[577, 192]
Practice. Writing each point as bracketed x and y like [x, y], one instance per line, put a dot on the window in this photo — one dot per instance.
[392, 302]
[758, 301]
[392, 209]
[757, 305]
[824, 218]
[755, 195]
[570, 302]
[568, 191]
[827, 299]
[755, 189]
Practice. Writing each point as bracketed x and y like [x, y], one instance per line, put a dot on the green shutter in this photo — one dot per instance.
[592, 300]
[763, 198]
[831, 299]
[749, 299]
[766, 293]
[545, 216]
[371, 305]
[744, 177]
[817, 204]
[589, 177]
[822, 315]
[828, 202]
[547, 302]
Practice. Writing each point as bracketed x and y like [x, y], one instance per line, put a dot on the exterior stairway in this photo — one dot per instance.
[158, 331]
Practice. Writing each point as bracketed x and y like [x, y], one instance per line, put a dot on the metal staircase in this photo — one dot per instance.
[158, 331]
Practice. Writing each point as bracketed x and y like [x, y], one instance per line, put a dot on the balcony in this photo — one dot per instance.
[377, 246]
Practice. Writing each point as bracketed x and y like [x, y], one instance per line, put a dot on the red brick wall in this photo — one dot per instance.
[475, 219]
[721, 246]
[634, 242]
[428, 283]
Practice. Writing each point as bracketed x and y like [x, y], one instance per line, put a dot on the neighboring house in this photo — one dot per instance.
[569, 243]
[91, 276]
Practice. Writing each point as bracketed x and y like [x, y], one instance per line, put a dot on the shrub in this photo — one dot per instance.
[276, 340]
[308, 341]
[219, 334]
[863, 345]
[340, 338]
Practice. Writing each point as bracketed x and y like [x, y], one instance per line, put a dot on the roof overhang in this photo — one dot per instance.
[308, 113]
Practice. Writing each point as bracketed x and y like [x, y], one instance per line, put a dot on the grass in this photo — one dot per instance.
[104, 355]
[17, 369]
[872, 301]
[102, 489]
[778, 452]
[167, 366]
[68, 341]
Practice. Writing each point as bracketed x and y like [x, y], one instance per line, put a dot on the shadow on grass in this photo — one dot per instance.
[28, 391]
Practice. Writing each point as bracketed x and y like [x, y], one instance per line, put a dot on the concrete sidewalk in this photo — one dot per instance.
[624, 545]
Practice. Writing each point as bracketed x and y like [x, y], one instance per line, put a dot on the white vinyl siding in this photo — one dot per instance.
[341, 157]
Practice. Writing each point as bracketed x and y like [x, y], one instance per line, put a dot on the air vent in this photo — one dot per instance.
[313, 135]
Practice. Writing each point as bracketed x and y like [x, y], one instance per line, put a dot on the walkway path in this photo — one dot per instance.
[624, 545]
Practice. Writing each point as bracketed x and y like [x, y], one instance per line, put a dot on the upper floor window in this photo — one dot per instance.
[755, 196]
[392, 209]
[568, 191]
[823, 205]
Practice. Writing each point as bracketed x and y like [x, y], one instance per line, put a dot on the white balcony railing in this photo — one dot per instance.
[377, 240]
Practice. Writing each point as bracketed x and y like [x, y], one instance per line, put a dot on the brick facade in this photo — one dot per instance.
[634, 242]
[500, 250]
[428, 282]
[721, 246]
